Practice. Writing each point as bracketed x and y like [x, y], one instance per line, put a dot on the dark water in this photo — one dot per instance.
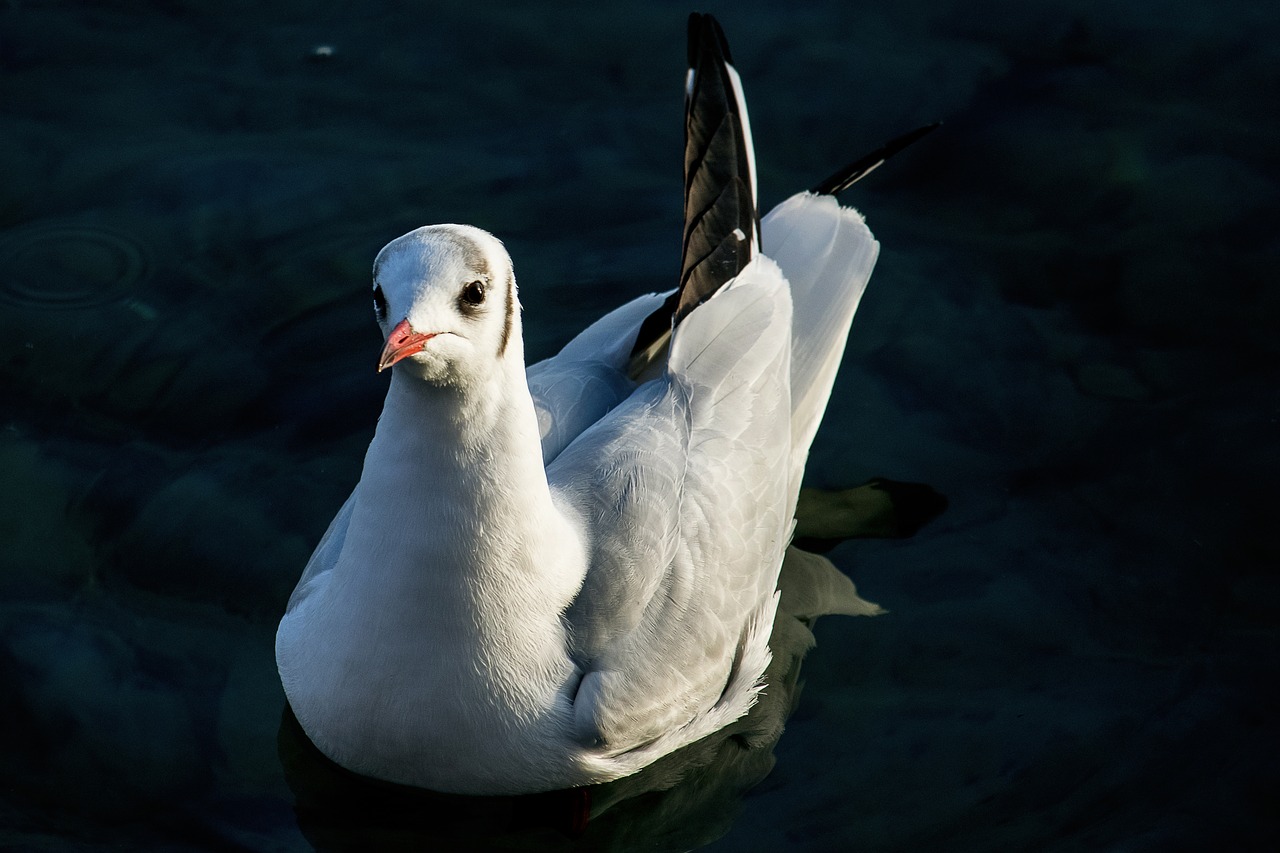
[1072, 332]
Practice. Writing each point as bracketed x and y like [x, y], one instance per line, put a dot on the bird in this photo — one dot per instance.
[550, 576]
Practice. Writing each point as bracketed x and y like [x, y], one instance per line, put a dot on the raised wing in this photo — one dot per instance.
[721, 223]
[672, 621]
[664, 621]
[721, 236]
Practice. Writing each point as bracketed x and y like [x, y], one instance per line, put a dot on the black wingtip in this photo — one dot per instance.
[721, 223]
[698, 21]
[846, 177]
[695, 27]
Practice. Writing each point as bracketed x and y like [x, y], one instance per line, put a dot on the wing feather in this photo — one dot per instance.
[721, 223]
[667, 604]
[584, 381]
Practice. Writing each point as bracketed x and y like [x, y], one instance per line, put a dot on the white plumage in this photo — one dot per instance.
[553, 577]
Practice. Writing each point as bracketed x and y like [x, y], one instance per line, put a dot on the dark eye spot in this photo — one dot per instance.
[379, 303]
[473, 293]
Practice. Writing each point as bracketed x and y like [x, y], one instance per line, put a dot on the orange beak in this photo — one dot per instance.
[403, 341]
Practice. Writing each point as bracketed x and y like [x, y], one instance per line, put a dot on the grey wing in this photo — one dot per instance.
[584, 381]
[683, 491]
[325, 554]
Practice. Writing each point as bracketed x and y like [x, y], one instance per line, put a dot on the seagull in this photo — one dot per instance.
[550, 577]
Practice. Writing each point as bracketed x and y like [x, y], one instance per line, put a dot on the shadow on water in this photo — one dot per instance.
[685, 800]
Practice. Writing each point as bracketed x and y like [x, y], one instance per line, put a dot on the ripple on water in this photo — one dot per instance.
[68, 265]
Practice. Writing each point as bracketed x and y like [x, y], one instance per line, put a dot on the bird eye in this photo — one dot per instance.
[473, 293]
[379, 303]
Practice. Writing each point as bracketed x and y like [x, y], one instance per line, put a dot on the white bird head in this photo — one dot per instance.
[445, 298]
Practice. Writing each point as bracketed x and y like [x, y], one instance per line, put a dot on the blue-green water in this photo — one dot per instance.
[1072, 333]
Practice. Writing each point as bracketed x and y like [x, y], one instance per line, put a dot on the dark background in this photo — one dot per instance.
[1072, 333]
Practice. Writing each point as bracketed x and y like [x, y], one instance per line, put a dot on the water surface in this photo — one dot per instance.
[1071, 332]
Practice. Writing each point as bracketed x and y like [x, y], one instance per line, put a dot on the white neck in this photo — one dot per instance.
[458, 477]
[473, 562]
